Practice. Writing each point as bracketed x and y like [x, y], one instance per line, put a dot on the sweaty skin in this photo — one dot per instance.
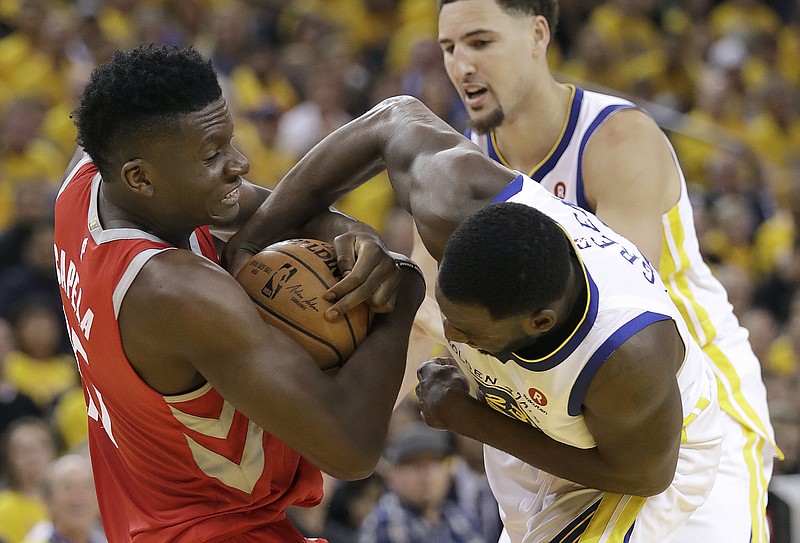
[441, 178]
[207, 330]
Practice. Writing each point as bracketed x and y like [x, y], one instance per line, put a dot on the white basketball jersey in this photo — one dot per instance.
[625, 295]
[698, 295]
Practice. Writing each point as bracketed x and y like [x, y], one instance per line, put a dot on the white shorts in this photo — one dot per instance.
[537, 507]
[737, 504]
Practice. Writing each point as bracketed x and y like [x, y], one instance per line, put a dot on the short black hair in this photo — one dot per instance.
[137, 90]
[549, 9]
[508, 258]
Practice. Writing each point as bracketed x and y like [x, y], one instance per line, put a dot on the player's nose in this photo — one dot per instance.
[238, 165]
[462, 64]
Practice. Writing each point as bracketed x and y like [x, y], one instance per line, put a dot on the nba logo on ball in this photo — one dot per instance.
[287, 282]
[277, 280]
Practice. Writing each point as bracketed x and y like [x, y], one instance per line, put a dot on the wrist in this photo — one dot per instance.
[403, 262]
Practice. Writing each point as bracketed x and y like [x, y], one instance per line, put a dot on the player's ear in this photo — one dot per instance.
[540, 33]
[134, 175]
[540, 322]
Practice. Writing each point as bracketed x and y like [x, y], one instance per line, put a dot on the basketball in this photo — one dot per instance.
[286, 281]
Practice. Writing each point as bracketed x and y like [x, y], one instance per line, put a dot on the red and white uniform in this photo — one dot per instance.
[185, 468]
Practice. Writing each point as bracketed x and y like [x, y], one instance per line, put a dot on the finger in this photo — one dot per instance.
[345, 248]
[375, 289]
[384, 298]
[424, 369]
[348, 302]
[443, 361]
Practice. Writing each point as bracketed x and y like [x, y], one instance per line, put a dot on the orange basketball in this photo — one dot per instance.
[286, 281]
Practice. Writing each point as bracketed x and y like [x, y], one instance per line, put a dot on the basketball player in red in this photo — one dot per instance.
[205, 423]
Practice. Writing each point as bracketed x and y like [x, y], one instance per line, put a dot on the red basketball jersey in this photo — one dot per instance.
[167, 468]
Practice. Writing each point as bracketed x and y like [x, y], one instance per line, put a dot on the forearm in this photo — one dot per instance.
[345, 159]
[367, 386]
[584, 466]
[328, 224]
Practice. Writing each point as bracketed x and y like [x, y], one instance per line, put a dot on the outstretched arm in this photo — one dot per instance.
[437, 175]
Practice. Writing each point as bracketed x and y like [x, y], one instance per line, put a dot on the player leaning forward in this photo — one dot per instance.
[599, 410]
[205, 424]
[604, 154]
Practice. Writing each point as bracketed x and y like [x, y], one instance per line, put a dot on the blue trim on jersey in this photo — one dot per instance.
[491, 152]
[557, 357]
[563, 143]
[620, 336]
[511, 189]
[629, 534]
[575, 529]
[602, 116]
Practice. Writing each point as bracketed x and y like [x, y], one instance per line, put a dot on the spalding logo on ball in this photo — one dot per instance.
[286, 281]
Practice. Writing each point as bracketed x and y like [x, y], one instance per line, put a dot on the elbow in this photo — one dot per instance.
[651, 481]
[399, 103]
[398, 111]
[353, 465]
[353, 474]
[352, 455]
[651, 487]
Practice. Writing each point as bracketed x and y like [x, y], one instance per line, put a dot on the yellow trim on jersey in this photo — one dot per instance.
[585, 309]
[701, 404]
[731, 404]
[700, 326]
[555, 145]
[577, 529]
[613, 518]
[672, 271]
[754, 458]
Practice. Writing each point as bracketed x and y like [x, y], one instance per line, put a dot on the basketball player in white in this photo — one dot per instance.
[609, 157]
[635, 452]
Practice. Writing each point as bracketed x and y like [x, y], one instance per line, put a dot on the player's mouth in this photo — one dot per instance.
[475, 96]
[232, 197]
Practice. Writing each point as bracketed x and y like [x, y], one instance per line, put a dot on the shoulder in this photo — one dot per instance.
[628, 125]
[656, 348]
[182, 314]
[630, 157]
[178, 276]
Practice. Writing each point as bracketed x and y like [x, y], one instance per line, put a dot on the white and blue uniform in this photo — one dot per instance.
[737, 506]
[624, 295]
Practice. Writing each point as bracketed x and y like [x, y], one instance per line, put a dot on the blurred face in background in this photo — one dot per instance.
[71, 497]
[31, 450]
[421, 481]
[38, 332]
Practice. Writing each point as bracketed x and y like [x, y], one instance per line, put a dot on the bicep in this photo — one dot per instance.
[631, 179]
[208, 325]
[633, 405]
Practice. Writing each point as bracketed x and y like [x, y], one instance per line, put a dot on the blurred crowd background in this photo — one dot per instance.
[722, 78]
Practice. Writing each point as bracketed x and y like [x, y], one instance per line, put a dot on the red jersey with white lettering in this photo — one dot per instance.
[167, 468]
